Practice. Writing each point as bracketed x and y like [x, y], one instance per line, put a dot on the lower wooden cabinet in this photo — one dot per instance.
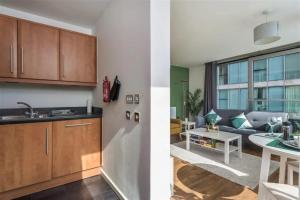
[25, 154]
[38, 156]
[76, 146]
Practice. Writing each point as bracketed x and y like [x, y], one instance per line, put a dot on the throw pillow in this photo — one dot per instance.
[212, 117]
[241, 122]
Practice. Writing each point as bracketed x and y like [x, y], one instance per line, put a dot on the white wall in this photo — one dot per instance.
[197, 79]
[197, 76]
[125, 46]
[43, 95]
[124, 49]
[160, 100]
[43, 20]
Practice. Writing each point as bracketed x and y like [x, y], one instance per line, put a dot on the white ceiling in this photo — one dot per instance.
[84, 13]
[208, 30]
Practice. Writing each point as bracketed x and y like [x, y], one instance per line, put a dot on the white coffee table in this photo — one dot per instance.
[188, 125]
[225, 137]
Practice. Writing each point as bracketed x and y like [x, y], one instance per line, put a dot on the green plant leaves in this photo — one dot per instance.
[194, 102]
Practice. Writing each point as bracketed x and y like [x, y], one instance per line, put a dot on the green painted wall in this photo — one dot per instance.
[179, 86]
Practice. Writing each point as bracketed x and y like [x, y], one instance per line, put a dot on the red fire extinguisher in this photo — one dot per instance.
[106, 90]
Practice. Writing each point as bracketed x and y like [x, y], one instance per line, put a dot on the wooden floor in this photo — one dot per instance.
[193, 183]
[93, 188]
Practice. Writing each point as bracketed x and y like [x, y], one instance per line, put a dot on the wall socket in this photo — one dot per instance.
[128, 115]
[137, 116]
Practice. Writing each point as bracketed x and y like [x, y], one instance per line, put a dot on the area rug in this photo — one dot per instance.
[244, 171]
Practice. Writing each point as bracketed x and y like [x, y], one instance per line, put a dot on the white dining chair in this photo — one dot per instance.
[276, 191]
[293, 166]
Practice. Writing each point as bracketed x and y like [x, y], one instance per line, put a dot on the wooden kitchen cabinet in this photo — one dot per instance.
[8, 47]
[76, 146]
[25, 154]
[38, 51]
[77, 57]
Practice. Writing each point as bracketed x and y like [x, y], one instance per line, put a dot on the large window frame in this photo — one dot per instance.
[251, 84]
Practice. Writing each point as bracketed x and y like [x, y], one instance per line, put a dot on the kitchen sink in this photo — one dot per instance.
[14, 117]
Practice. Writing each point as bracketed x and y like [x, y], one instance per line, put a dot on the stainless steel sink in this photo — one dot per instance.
[14, 117]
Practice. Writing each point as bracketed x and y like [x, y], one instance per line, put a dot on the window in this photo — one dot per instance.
[275, 96]
[223, 77]
[260, 70]
[292, 66]
[275, 83]
[292, 96]
[238, 72]
[275, 69]
[233, 99]
[244, 99]
[223, 99]
[233, 73]
[260, 99]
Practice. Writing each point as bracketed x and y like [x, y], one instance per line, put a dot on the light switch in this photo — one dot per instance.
[136, 98]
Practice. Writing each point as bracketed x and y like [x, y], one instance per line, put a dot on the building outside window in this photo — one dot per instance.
[260, 70]
[222, 75]
[292, 66]
[260, 99]
[275, 97]
[275, 69]
[275, 83]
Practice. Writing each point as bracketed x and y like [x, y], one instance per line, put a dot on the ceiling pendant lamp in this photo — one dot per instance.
[267, 32]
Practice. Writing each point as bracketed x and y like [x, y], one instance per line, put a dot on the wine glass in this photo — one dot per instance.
[272, 123]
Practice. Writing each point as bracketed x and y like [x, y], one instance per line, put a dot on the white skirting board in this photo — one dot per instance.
[113, 185]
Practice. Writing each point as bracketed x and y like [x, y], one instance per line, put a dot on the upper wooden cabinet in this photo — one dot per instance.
[36, 53]
[77, 57]
[8, 47]
[25, 154]
[38, 47]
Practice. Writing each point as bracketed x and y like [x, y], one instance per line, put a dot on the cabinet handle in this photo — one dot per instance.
[11, 59]
[47, 142]
[62, 66]
[73, 125]
[22, 60]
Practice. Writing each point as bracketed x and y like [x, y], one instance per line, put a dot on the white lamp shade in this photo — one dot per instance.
[266, 33]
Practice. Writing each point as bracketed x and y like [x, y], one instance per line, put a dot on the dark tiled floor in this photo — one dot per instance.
[94, 188]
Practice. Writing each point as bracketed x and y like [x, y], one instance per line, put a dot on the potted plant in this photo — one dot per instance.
[194, 103]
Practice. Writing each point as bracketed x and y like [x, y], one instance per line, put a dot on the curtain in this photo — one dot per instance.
[210, 89]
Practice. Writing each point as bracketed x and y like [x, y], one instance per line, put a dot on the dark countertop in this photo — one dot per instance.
[79, 113]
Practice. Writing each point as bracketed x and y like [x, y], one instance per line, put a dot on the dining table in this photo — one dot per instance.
[265, 140]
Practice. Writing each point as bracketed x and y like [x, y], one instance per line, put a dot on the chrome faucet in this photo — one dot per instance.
[31, 113]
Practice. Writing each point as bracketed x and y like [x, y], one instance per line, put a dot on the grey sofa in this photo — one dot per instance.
[256, 118]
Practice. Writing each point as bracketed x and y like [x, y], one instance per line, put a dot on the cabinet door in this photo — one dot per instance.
[78, 57]
[8, 47]
[76, 146]
[38, 51]
[25, 154]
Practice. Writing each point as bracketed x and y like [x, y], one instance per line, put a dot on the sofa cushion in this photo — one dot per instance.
[247, 131]
[227, 129]
[260, 119]
[212, 117]
[200, 121]
[240, 122]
